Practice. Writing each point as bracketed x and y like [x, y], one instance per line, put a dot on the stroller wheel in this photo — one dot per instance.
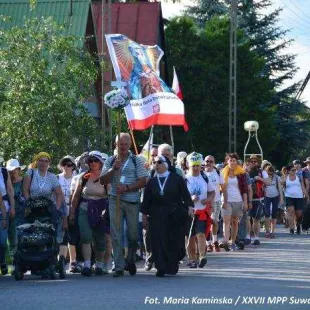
[18, 275]
[62, 267]
[51, 271]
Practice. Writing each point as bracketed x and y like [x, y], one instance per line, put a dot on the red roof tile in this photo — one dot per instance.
[139, 21]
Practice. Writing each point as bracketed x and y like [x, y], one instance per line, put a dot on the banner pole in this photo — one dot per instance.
[117, 211]
[149, 146]
[133, 140]
[172, 142]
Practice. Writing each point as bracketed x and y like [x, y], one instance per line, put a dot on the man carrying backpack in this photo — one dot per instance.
[127, 174]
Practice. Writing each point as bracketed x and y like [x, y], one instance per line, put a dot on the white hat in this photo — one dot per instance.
[181, 156]
[194, 159]
[96, 154]
[13, 164]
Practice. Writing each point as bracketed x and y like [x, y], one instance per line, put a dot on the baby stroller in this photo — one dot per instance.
[37, 248]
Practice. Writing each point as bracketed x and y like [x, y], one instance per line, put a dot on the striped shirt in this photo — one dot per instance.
[128, 173]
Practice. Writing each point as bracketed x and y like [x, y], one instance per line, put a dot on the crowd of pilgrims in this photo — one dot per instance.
[113, 209]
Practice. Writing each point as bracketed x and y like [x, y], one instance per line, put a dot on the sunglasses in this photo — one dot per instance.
[93, 160]
[209, 161]
[43, 161]
[68, 165]
[293, 170]
[253, 161]
[159, 162]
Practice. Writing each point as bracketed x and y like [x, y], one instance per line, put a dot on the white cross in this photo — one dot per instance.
[118, 83]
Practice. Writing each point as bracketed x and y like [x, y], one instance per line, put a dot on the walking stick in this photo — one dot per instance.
[190, 231]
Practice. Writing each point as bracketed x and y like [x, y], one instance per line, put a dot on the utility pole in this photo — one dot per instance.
[110, 144]
[232, 143]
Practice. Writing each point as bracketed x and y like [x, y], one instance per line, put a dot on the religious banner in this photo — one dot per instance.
[136, 66]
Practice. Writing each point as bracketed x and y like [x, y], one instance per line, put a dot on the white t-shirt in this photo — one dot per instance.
[3, 191]
[65, 185]
[293, 189]
[216, 181]
[265, 174]
[233, 191]
[198, 186]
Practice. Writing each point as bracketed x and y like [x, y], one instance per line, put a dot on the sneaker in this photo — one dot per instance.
[267, 235]
[256, 242]
[118, 273]
[148, 266]
[298, 230]
[193, 264]
[132, 269]
[241, 245]
[105, 269]
[74, 268]
[202, 262]
[4, 269]
[272, 236]
[210, 248]
[292, 231]
[226, 246]
[98, 271]
[247, 241]
[233, 247]
[216, 246]
[86, 272]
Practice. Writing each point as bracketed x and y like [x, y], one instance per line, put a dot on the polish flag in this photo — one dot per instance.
[177, 90]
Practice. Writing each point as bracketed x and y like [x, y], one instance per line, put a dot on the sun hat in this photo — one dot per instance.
[97, 155]
[13, 164]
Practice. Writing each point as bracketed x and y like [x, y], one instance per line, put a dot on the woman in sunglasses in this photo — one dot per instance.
[90, 196]
[294, 191]
[165, 210]
[273, 197]
[68, 167]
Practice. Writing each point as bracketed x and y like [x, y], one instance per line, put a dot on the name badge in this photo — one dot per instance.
[122, 179]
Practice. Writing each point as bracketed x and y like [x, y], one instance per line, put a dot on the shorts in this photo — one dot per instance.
[216, 211]
[297, 203]
[233, 209]
[88, 234]
[198, 227]
[257, 211]
[271, 207]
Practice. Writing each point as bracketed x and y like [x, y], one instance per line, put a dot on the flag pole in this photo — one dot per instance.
[150, 142]
[172, 141]
[133, 140]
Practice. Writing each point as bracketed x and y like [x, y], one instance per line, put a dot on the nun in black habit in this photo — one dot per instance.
[165, 209]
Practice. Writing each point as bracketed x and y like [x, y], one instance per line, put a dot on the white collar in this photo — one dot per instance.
[163, 175]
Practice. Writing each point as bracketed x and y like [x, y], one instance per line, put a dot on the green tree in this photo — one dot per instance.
[269, 42]
[45, 75]
[202, 60]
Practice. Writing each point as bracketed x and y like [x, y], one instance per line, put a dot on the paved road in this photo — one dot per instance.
[275, 275]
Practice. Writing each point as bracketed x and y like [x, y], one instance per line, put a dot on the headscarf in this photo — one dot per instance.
[194, 159]
[166, 161]
[39, 156]
[238, 170]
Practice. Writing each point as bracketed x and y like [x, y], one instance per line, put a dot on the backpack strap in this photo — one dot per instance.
[5, 177]
[204, 176]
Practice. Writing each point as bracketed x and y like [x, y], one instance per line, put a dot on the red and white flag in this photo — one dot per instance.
[177, 89]
[176, 86]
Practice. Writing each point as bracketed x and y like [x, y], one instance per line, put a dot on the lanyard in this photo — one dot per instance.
[162, 186]
[125, 165]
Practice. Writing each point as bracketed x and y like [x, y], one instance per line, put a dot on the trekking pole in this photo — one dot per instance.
[190, 231]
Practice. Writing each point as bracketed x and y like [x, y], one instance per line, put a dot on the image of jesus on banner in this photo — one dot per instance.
[138, 66]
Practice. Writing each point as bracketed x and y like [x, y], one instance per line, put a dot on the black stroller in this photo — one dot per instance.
[37, 248]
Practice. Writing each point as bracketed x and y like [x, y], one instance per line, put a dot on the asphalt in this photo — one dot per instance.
[274, 275]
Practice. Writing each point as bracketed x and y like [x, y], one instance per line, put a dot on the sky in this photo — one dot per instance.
[295, 17]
